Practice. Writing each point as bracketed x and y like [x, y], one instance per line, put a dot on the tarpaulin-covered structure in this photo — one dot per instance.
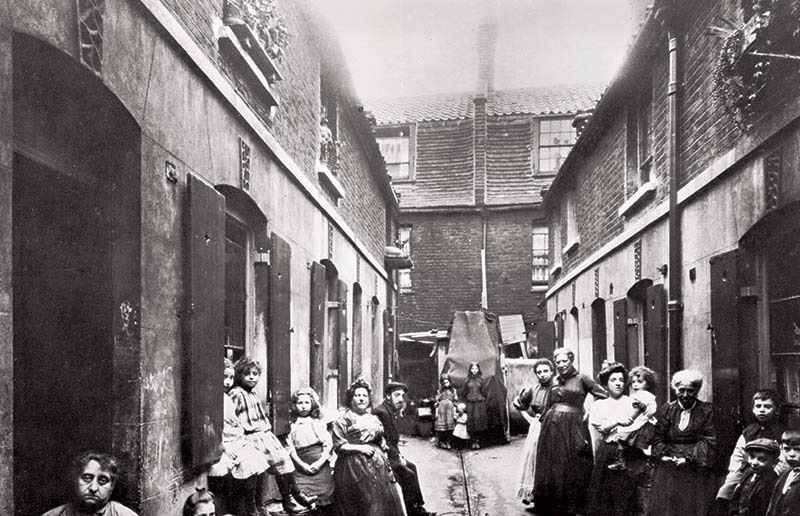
[474, 338]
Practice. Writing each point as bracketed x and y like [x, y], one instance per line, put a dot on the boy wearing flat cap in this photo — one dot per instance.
[404, 470]
[752, 494]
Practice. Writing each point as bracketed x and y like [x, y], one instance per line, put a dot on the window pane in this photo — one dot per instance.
[404, 279]
[541, 260]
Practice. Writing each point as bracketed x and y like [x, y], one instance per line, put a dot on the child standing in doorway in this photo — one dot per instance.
[445, 411]
[258, 430]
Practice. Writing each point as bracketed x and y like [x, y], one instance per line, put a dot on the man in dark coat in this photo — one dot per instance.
[404, 470]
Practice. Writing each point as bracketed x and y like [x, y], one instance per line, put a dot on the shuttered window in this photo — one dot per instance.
[404, 275]
[540, 263]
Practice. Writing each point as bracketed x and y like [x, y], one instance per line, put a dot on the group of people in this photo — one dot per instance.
[461, 424]
[627, 456]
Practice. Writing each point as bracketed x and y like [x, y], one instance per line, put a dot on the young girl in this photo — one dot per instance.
[310, 447]
[200, 503]
[233, 477]
[460, 431]
[445, 411]
[258, 430]
[641, 431]
[474, 392]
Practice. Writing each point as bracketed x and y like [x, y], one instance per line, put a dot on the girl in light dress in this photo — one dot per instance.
[460, 432]
[258, 430]
[445, 411]
[641, 431]
[310, 446]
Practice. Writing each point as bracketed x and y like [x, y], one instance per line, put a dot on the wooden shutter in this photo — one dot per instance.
[599, 348]
[655, 342]
[317, 331]
[724, 340]
[389, 362]
[560, 330]
[546, 338]
[205, 319]
[279, 376]
[344, 380]
[621, 332]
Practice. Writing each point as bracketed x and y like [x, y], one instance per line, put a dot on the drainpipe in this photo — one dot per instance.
[484, 292]
[668, 15]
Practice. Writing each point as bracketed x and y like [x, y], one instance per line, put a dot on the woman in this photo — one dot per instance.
[474, 393]
[531, 402]
[363, 478]
[613, 491]
[683, 448]
[564, 454]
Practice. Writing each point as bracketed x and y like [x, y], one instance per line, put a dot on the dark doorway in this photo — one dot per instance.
[62, 320]
[599, 352]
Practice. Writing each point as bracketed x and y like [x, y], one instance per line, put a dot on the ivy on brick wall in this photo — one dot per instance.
[747, 59]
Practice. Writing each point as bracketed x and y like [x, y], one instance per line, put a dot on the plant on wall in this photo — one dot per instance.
[746, 61]
[262, 16]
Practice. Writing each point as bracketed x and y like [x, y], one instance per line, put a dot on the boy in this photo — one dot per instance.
[785, 499]
[751, 496]
[766, 407]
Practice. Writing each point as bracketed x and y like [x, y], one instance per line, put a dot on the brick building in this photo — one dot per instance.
[673, 220]
[170, 194]
[469, 169]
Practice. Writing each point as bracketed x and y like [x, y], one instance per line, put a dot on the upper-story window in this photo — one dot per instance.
[640, 139]
[540, 263]
[404, 275]
[571, 222]
[556, 138]
[397, 147]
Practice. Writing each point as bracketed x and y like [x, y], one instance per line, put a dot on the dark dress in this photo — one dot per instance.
[564, 455]
[473, 392]
[686, 490]
[365, 486]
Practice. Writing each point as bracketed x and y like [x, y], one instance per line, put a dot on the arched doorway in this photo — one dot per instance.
[76, 255]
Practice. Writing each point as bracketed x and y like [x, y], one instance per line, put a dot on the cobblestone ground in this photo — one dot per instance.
[491, 475]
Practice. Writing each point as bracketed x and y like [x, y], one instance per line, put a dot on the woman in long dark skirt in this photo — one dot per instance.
[613, 491]
[684, 483]
[474, 393]
[365, 485]
[564, 456]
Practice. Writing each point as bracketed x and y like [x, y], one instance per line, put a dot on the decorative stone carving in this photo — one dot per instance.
[637, 260]
[90, 33]
[772, 176]
[244, 165]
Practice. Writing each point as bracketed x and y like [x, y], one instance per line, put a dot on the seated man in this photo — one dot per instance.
[404, 470]
[94, 476]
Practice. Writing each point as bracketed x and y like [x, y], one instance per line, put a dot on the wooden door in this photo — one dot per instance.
[279, 364]
[546, 338]
[317, 328]
[655, 338]
[621, 332]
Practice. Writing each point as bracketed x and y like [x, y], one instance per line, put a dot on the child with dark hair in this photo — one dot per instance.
[445, 411]
[474, 393]
[766, 407]
[200, 503]
[785, 500]
[258, 430]
[640, 432]
[310, 446]
[751, 496]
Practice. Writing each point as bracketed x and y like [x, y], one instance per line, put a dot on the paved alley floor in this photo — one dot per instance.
[492, 478]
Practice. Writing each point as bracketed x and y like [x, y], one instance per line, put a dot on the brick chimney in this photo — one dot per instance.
[487, 42]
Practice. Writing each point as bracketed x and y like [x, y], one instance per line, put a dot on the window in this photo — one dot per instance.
[572, 224]
[541, 260]
[396, 144]
[404, 275]
[556, 138]
[235, 288]
[640, 135]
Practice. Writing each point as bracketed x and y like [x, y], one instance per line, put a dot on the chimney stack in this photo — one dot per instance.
[487, 42]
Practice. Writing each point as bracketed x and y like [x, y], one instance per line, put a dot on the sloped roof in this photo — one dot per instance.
[538, 100]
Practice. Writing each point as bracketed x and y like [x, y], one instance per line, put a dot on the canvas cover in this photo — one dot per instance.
[474, 338]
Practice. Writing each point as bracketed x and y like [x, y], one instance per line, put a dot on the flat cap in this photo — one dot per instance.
[768, 445]
[394, 386]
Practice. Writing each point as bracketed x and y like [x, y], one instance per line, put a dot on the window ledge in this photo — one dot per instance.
[555, 269]
[644, 193]
[539, 288]
[330, 181]
[231, 46]
[571, 246]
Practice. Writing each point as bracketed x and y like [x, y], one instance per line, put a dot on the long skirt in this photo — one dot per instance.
[529, 461]
[563, 463]
[614, 492]
[685, 491]
[365, 486]
[320, 484]
[477, 420]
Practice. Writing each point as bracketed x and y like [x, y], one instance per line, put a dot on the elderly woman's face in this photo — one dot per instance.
[544, 373]
[686, 393]
[562, 363]
[616, 385]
